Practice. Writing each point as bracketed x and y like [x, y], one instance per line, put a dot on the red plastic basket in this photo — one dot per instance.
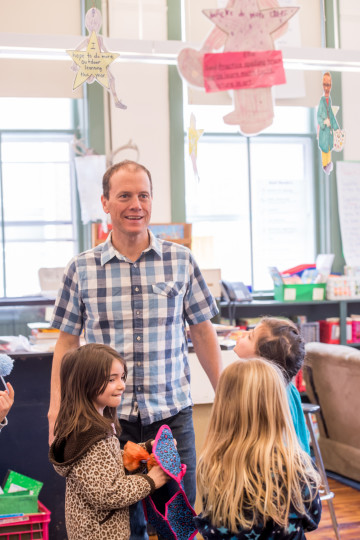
[26, 527]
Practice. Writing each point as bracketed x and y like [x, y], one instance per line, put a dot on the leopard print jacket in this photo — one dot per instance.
[98, 492]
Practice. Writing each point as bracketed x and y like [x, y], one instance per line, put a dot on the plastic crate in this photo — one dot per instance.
[26, 527]
[300, 292]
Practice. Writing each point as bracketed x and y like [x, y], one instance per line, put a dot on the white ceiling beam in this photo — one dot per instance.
[39, 46]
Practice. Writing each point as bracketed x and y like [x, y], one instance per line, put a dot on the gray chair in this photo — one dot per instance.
[325, 494]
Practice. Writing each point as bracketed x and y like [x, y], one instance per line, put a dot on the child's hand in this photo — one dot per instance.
[6, 401]
[158, 475]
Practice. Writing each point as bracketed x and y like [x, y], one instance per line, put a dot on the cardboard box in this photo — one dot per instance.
[300, 292]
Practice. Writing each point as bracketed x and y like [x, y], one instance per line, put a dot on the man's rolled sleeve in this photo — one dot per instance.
[67, 315]
[199, 304]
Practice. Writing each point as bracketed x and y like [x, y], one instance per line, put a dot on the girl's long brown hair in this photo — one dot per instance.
[84, 374]
[252, 465]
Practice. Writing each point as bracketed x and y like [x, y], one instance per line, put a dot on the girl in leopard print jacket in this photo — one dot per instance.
[86, 449]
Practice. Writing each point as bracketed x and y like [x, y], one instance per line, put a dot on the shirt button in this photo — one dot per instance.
[139, 364]
[138, 312]
[139, 388]
[138, 338]
[135, 265]
[137, 289]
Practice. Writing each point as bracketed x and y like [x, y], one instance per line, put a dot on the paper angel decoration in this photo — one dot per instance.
[194, 135]
[330, 136]
[93, 63]
[248, 64]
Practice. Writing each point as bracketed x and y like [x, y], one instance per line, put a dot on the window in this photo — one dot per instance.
[253, 206]
[38, 210]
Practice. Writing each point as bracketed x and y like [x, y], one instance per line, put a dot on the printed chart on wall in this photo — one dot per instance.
[348, 183]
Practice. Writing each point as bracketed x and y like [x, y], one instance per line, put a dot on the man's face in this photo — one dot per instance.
[129, 203]
[327, 85]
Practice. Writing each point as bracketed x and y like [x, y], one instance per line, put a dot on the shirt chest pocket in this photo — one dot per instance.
[166, 299]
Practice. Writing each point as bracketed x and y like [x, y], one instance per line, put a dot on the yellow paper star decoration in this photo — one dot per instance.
[92, 63]
[194, 136]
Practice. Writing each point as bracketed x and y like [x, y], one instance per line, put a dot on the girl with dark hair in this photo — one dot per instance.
[86, 450]
[279, 340]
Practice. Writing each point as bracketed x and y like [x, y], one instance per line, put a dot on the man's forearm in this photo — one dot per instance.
[207, 350]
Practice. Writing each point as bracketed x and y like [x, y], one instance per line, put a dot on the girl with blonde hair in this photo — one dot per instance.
[254, 479]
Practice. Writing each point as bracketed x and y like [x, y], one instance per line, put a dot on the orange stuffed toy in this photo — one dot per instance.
[135, 455]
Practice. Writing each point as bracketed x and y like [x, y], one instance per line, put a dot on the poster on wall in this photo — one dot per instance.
[348, 189]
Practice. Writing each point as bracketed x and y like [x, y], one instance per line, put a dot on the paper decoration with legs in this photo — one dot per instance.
[330, 136]
[93, 63]
[248, 65]
[194, 135]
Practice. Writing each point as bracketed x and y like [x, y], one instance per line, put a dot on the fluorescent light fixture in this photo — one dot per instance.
[53, 47]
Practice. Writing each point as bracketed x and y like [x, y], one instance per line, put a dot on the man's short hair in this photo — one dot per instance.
[126, 164]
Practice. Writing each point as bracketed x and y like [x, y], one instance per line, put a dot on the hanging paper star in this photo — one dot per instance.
[194, 136]
[92, 63]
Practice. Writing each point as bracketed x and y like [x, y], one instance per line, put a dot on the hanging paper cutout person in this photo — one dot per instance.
[93, 63]
[327, 123]
[194, 136]
[249, 65]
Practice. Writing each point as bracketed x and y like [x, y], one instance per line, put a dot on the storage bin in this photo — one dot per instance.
[300, 292]
[26, 527]
[330, 331]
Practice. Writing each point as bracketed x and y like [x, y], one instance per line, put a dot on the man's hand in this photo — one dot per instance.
[6, 401]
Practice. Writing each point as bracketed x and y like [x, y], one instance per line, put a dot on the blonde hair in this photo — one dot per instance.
[252, 466]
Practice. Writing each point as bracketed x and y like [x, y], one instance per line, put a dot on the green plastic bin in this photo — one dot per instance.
[300, 292]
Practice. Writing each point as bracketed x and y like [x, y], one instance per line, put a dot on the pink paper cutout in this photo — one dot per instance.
[234, 70]
[241, 26]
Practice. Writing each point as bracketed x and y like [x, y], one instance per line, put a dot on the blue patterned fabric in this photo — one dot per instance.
[168, 509]
[139, 308]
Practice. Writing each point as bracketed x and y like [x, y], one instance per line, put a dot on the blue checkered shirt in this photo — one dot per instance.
[140, 310]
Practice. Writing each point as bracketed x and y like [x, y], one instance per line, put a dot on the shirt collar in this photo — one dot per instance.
[109, 252]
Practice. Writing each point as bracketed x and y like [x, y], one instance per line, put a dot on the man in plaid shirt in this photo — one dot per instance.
[135, 293]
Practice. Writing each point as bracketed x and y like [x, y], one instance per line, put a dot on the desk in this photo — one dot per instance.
[24, 441]
[313, 310]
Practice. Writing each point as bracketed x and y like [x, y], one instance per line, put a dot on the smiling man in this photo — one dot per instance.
[135, 293]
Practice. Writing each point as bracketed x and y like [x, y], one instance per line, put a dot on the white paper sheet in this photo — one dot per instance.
[348, 188]
[89, 173]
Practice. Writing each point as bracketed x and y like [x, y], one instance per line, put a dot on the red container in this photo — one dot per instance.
[26, 527]
[299, 381]
[330, 331]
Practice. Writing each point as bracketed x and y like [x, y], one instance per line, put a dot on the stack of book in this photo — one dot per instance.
[43, 337]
